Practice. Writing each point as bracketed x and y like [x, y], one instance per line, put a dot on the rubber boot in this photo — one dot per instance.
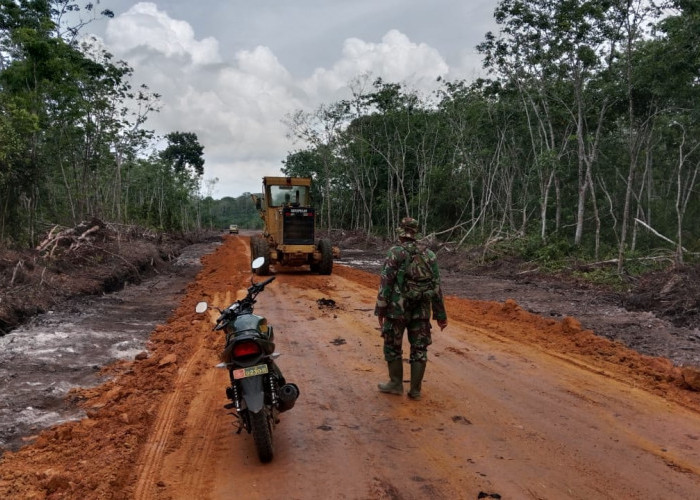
[417, 372]
[395, 384]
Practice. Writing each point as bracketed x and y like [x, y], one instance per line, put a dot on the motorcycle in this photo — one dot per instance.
[258, 391]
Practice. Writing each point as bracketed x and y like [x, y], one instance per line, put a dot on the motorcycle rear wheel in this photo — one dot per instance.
[262, 434]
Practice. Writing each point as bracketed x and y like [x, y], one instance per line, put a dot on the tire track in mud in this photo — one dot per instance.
[158, 440]
[319, 431]
[162, 444]
[343, 402]
[189, 456]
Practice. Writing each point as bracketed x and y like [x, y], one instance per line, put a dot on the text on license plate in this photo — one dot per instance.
[251, 371]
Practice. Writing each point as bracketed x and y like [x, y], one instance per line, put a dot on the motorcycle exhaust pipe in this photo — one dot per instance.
[288, 396]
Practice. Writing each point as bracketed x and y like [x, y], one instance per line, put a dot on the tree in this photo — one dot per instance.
[320, 131]
[184, 153]
[561, 46]
[72, 133]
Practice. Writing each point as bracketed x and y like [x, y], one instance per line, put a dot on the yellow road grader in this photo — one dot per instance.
[289, 224]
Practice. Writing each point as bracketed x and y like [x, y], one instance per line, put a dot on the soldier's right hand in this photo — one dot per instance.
[381, 322]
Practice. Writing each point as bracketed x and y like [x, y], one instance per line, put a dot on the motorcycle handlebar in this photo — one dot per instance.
[266, 282]
[256, 288]
[250, 299]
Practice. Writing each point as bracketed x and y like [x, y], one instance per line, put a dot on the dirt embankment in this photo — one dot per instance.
[515, 404]
[91, 258]
[94, 457]
[658, 314]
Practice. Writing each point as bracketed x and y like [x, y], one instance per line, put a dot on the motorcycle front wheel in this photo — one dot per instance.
[262, 434]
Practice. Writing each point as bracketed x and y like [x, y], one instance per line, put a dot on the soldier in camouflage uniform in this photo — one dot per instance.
[396, 313]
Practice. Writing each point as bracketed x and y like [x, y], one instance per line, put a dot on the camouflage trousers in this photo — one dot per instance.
[418, 337]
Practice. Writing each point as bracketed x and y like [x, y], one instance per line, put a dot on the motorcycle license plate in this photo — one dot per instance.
[251, 371]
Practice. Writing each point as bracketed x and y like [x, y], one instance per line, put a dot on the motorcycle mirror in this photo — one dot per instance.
[258, 263]
[201, 307]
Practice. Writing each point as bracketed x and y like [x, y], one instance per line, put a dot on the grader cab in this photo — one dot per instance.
[289, 223]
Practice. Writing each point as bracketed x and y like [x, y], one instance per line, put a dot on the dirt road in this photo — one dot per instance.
[514, 405]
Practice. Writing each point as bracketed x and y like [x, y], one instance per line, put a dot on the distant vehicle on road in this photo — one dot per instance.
[233, 229]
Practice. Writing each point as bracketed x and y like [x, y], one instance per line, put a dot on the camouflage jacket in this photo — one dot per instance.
[390, 302]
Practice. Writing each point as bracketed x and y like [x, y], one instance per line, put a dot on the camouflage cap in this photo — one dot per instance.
[407, 228]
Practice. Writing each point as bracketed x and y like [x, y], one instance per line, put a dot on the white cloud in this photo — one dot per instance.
[240, 176]
[236, 105]
[144, 26]
[395, 59]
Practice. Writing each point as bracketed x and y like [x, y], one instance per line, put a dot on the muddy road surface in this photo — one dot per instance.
[514, 406]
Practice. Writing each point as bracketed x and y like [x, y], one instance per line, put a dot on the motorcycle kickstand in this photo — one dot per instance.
[239, 421]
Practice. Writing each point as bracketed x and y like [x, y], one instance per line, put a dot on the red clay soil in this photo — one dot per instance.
[565, 339]
[514, 404]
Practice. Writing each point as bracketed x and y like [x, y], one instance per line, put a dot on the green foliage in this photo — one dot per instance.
[308, 163]
[582, 145]
[607, 276]
[184, 152]
[639, 264]
[71, 144]
[550, 254]
[226, 211]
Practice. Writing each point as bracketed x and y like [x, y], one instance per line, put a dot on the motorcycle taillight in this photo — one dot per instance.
[248, 348]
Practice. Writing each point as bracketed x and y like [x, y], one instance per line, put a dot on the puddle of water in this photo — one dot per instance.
[364, 263]
[362, 259]
[62, 349]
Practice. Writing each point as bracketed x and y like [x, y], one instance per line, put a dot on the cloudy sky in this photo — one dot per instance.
[230, 71]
